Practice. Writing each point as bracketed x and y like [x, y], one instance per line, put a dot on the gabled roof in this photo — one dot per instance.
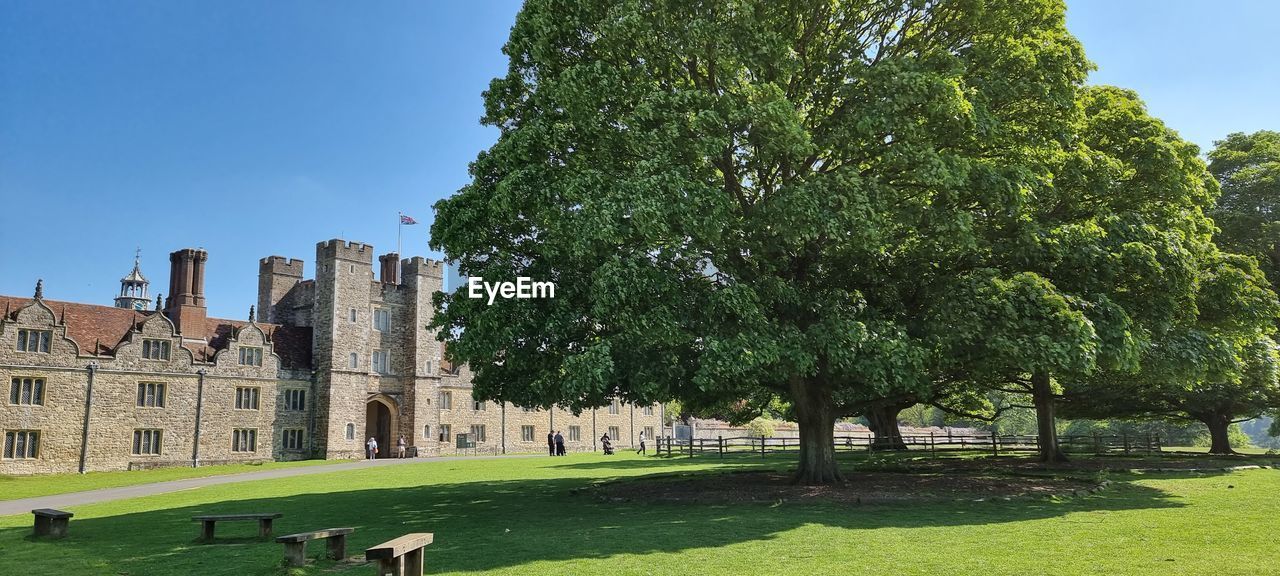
[87, 324]
[99, 329]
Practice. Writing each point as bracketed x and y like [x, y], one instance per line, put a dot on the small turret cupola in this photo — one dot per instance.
[133, 288]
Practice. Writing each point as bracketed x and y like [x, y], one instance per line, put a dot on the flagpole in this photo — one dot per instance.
[399, 231]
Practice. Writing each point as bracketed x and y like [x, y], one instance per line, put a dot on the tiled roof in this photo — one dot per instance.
[292, 344]
[91, 325]
[87, 324]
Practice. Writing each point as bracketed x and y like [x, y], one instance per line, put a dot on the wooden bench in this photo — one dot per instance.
[295, 545]
[207, 522]
[402, 556]
[50, 522]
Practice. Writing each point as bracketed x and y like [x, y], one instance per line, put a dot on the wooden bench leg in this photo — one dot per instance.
[391, 566]
[264, 528]
[413, 563]
[296, 553]
[206, 530]
[338, 547]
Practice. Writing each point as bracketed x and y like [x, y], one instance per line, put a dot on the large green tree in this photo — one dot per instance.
[1248, 212]
[1217, 368]
[743, 200]
[1089, 266]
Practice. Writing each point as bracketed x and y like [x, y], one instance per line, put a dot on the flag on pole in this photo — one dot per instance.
[407, 220]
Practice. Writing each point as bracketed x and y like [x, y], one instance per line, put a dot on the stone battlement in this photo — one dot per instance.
[422, 267]
[281, 266]
[345, 250]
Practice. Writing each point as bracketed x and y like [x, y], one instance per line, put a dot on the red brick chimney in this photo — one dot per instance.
[389, 268]
[186, 291]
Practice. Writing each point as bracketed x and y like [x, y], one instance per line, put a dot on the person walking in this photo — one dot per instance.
[559, 444]
[641, 450]
[400, 445]
[551, 443]
[371, 448]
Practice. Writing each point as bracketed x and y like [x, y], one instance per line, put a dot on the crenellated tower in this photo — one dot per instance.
[340, 348]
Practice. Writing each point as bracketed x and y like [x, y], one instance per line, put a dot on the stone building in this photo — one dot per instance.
[323, 364]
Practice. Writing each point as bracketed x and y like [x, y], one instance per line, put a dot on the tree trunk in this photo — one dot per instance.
[1046, 426]
[815, 416]
[883, 422]
[1219, 434]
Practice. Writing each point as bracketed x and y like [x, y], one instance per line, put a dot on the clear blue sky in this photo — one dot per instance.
[260, 128]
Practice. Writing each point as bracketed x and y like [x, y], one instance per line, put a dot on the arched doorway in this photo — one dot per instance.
[380, 420]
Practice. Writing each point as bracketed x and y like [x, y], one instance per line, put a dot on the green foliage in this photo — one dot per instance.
[1238, 438]
[742, 201]
[672, 412]
[1171, 432]
[1218, 366]
[761, 427]
[923, 416]
[1248, 212]
[1093, 262]
[1016, 421]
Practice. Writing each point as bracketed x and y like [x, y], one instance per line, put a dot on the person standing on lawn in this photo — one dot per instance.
[551, 443]
[400, 446]
[559, 444]
[371, 448]
[641, 450]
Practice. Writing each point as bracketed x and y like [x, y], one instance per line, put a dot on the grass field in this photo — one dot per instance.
[521, 516]
[1205, 449]
[15, 487]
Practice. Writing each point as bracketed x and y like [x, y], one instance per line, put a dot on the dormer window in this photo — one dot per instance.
[34, 340]
[250, 356]
[155, 349]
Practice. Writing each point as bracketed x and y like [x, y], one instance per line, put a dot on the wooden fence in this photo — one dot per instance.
[996, 444]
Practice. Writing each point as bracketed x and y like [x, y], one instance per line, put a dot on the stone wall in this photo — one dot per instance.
[333, 419]
[278, 289]
[341, 317]
[509, 438]
[115, 412]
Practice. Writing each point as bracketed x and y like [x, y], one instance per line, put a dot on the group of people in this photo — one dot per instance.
[371, 447]
[555, 443]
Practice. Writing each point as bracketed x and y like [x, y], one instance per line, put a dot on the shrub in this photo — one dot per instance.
[761, 427]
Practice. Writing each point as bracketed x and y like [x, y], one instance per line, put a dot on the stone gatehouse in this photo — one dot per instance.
[320, 366]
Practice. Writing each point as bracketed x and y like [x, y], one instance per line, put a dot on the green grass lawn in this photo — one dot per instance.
[521, 516]
[15, 487]
[1205, 449]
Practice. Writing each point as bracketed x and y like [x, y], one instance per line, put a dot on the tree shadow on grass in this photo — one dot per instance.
[668, 463]
[491, 525]
[1082, 467]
